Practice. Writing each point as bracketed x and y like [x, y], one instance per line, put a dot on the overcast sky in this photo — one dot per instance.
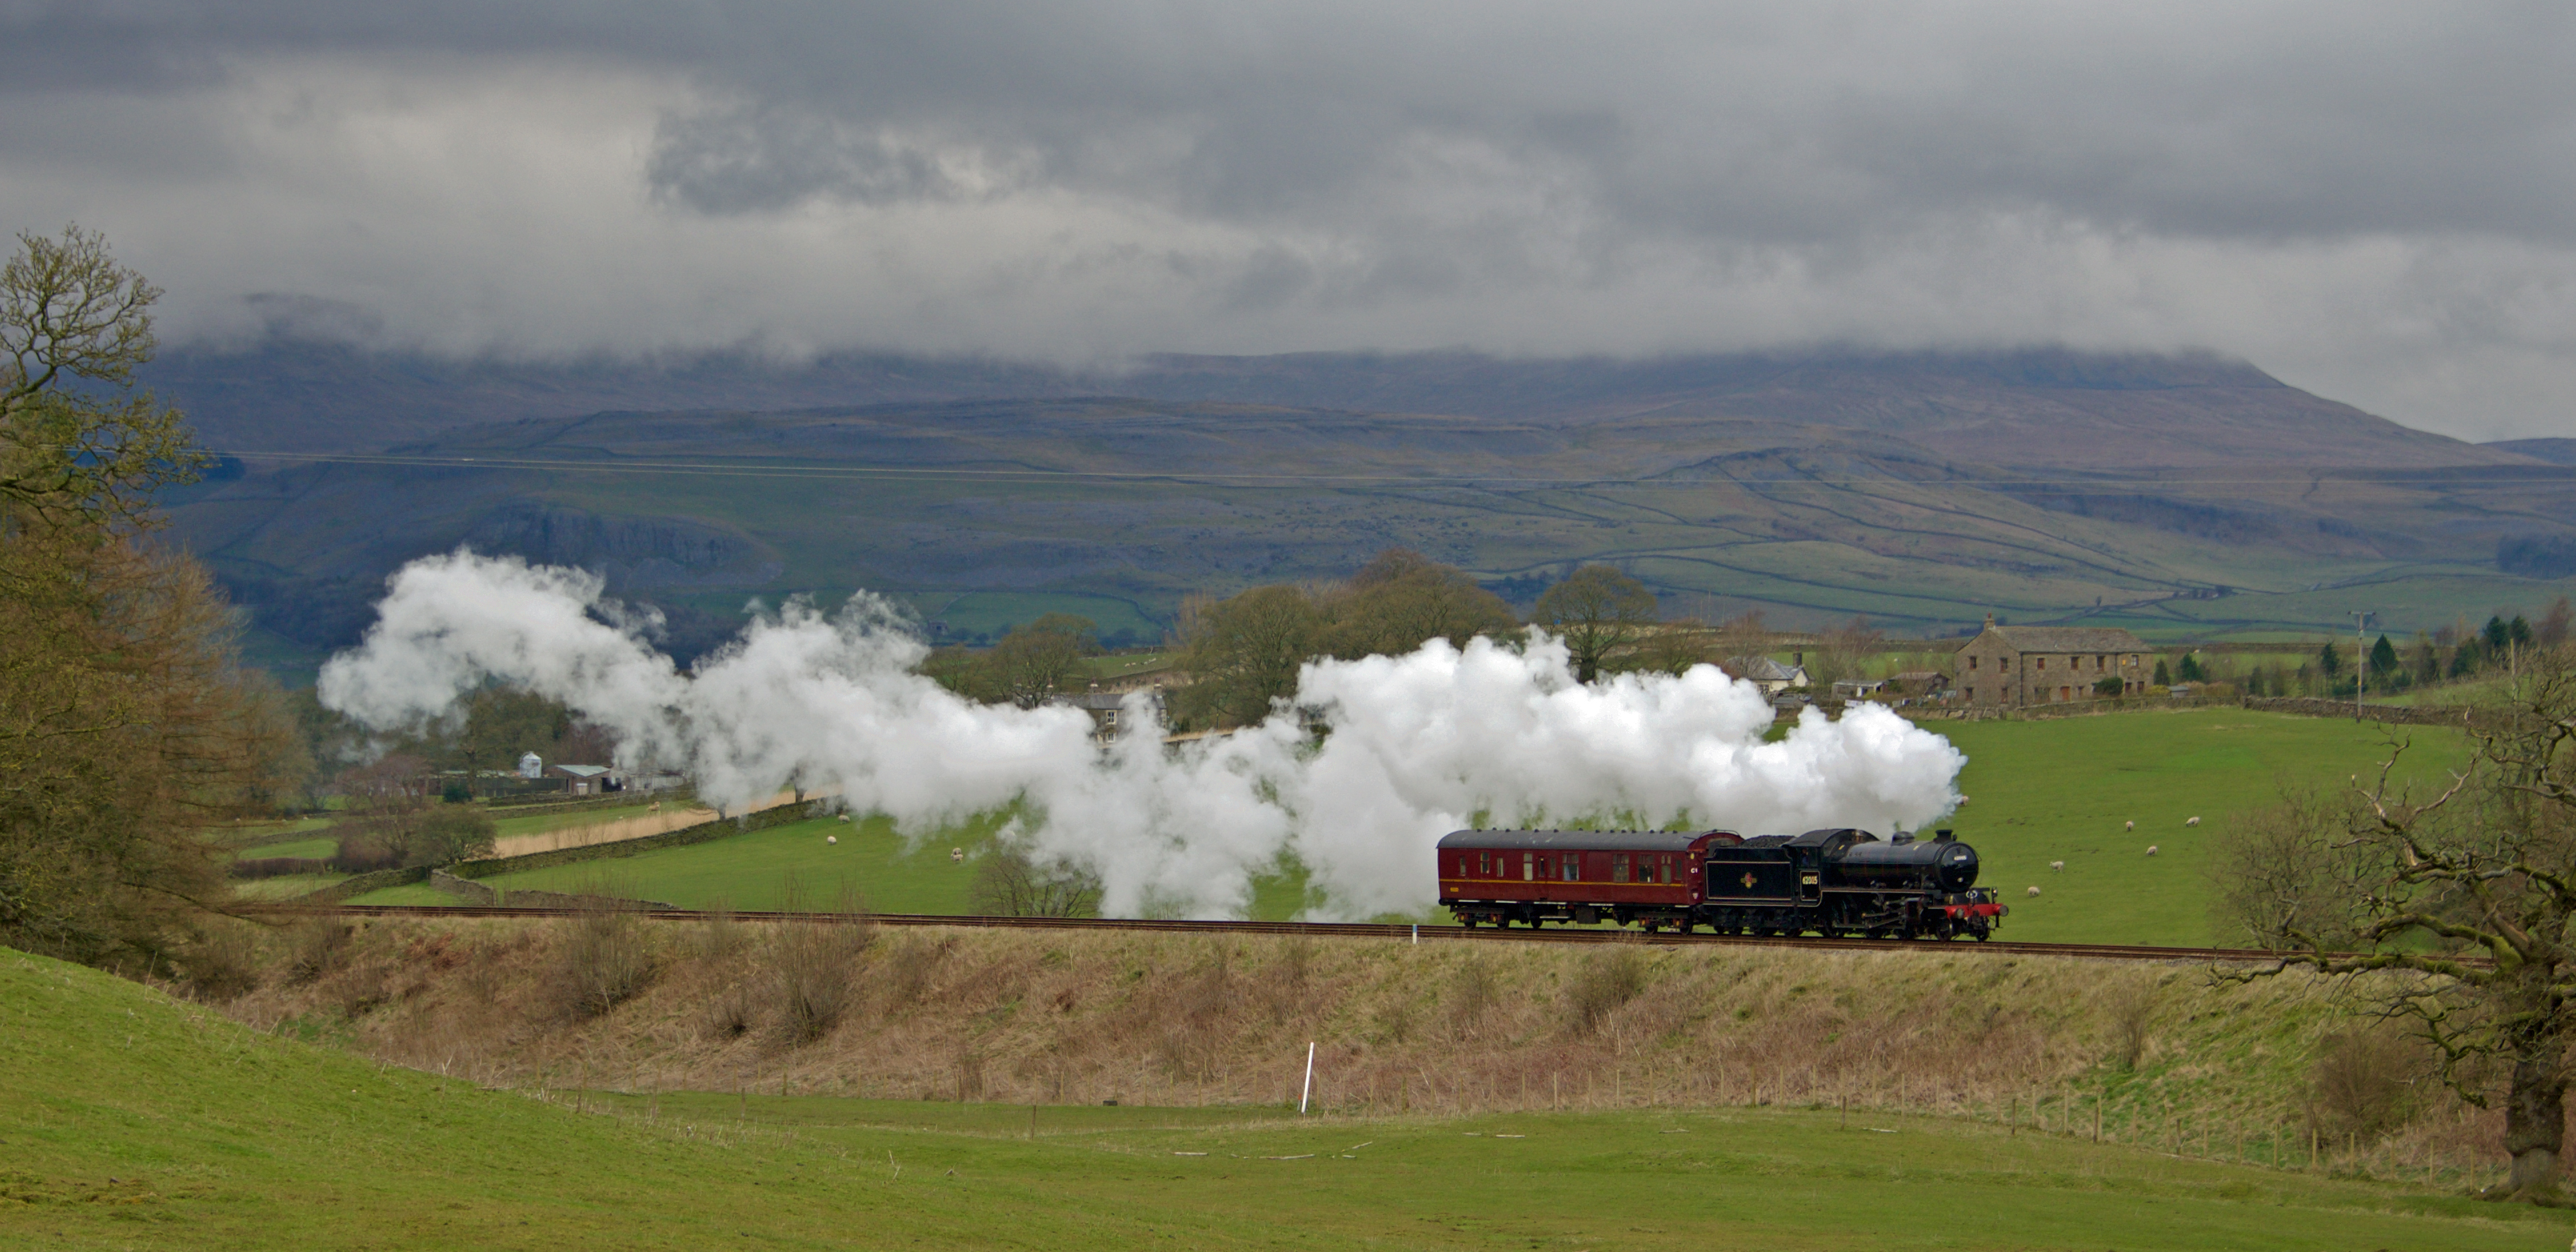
[2374, 201]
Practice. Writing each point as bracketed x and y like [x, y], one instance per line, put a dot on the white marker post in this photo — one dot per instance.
[1309, 1092]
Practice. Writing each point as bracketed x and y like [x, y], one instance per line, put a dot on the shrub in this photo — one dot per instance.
[316, 948]
[1604, 983]
[1478, 990]
[1009, 884]
[222, 964]
[2363, 1082]
[817, 965]
[2132, 1012]
[607, 960]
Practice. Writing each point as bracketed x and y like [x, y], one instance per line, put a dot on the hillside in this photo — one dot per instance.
[137, 1122]
[2183, 495]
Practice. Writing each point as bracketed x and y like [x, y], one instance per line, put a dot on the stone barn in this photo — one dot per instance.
[2018, 666]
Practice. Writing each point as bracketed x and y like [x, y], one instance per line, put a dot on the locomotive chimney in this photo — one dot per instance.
[1942, 836]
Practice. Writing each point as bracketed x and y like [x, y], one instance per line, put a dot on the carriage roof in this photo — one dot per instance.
[1582, 840]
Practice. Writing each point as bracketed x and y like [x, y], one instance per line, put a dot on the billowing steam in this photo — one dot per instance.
[1418, 745]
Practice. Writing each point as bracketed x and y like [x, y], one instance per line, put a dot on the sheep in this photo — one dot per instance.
[2193, 822]
[2033, 891]
[2128, 825]
[2057, 867]
[956, 855]
[2151, 849]
[831, 838]
[843, 817]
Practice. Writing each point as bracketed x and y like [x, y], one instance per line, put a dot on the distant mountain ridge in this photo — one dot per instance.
[2038, 406]
[2554, 451]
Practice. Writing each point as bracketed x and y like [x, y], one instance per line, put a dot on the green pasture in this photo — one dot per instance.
[289, 886]
[136, 1122]
[2040, 791]
[315, 847]
[751, 870]
[2060, 789]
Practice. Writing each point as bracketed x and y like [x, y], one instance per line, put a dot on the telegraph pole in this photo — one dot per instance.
[2360, 659]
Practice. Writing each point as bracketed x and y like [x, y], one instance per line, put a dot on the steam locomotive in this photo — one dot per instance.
[1828, 882]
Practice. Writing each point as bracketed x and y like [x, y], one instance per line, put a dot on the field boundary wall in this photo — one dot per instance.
[2315, 706]
[361, 884]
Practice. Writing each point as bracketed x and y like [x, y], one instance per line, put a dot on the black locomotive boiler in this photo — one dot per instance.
[1842, 882]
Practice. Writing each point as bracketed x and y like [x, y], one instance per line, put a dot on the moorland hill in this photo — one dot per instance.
[2176, 494]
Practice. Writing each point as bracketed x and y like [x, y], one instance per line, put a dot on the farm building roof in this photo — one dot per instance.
[2070, 638]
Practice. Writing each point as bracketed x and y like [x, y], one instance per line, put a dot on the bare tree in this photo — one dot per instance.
[1598, 612]
[126, 726]
[2466, 899]
[1844, 652]
[1243, 654]
[1402, 600]
[1041, 659]
[1010, 884]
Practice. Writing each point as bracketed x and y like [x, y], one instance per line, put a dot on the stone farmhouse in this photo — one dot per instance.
[2014, 666]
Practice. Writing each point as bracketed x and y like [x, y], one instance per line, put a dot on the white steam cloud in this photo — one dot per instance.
[1418, 745]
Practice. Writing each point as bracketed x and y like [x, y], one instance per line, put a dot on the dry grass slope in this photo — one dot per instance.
[2161, 1055]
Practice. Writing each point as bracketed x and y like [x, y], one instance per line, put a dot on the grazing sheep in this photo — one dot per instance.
[844, 817]
[2151, 849]
[2034, 891]
[1963, 802]
[831, 838]
[2193, 822]
[2057, 867]
[2128, 825]
[957, 854]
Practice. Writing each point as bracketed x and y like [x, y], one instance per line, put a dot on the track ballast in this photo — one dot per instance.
[1328, 930]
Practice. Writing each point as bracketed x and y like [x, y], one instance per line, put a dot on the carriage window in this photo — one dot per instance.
[1668, 870]
[1573, 867]
[1618, 867]
[1529, 866]
[1485, 864]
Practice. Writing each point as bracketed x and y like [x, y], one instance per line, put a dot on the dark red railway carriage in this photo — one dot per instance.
[1649, 877]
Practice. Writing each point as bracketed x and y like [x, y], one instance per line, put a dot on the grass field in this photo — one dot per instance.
[138, 1122]
[316, 847]
[2059, 790]
[751, 871]
[2040, 791]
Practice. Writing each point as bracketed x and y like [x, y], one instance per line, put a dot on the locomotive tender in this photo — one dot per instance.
[1827, 882]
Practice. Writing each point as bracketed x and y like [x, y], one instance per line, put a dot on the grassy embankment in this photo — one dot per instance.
[137, 1122]
[2041, 791]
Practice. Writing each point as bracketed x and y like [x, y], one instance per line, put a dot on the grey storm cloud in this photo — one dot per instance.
[2373, 199]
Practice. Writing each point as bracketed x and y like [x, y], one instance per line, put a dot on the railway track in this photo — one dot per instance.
[1331, 930]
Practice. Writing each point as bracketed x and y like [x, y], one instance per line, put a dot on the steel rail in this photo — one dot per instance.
[1331, 930]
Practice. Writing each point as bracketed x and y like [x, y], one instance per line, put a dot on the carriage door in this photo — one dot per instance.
[1529, 867]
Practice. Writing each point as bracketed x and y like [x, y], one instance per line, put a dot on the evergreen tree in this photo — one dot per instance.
[2383, 658]
[2191, 671]
[2329, 661]
[2163, 679]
